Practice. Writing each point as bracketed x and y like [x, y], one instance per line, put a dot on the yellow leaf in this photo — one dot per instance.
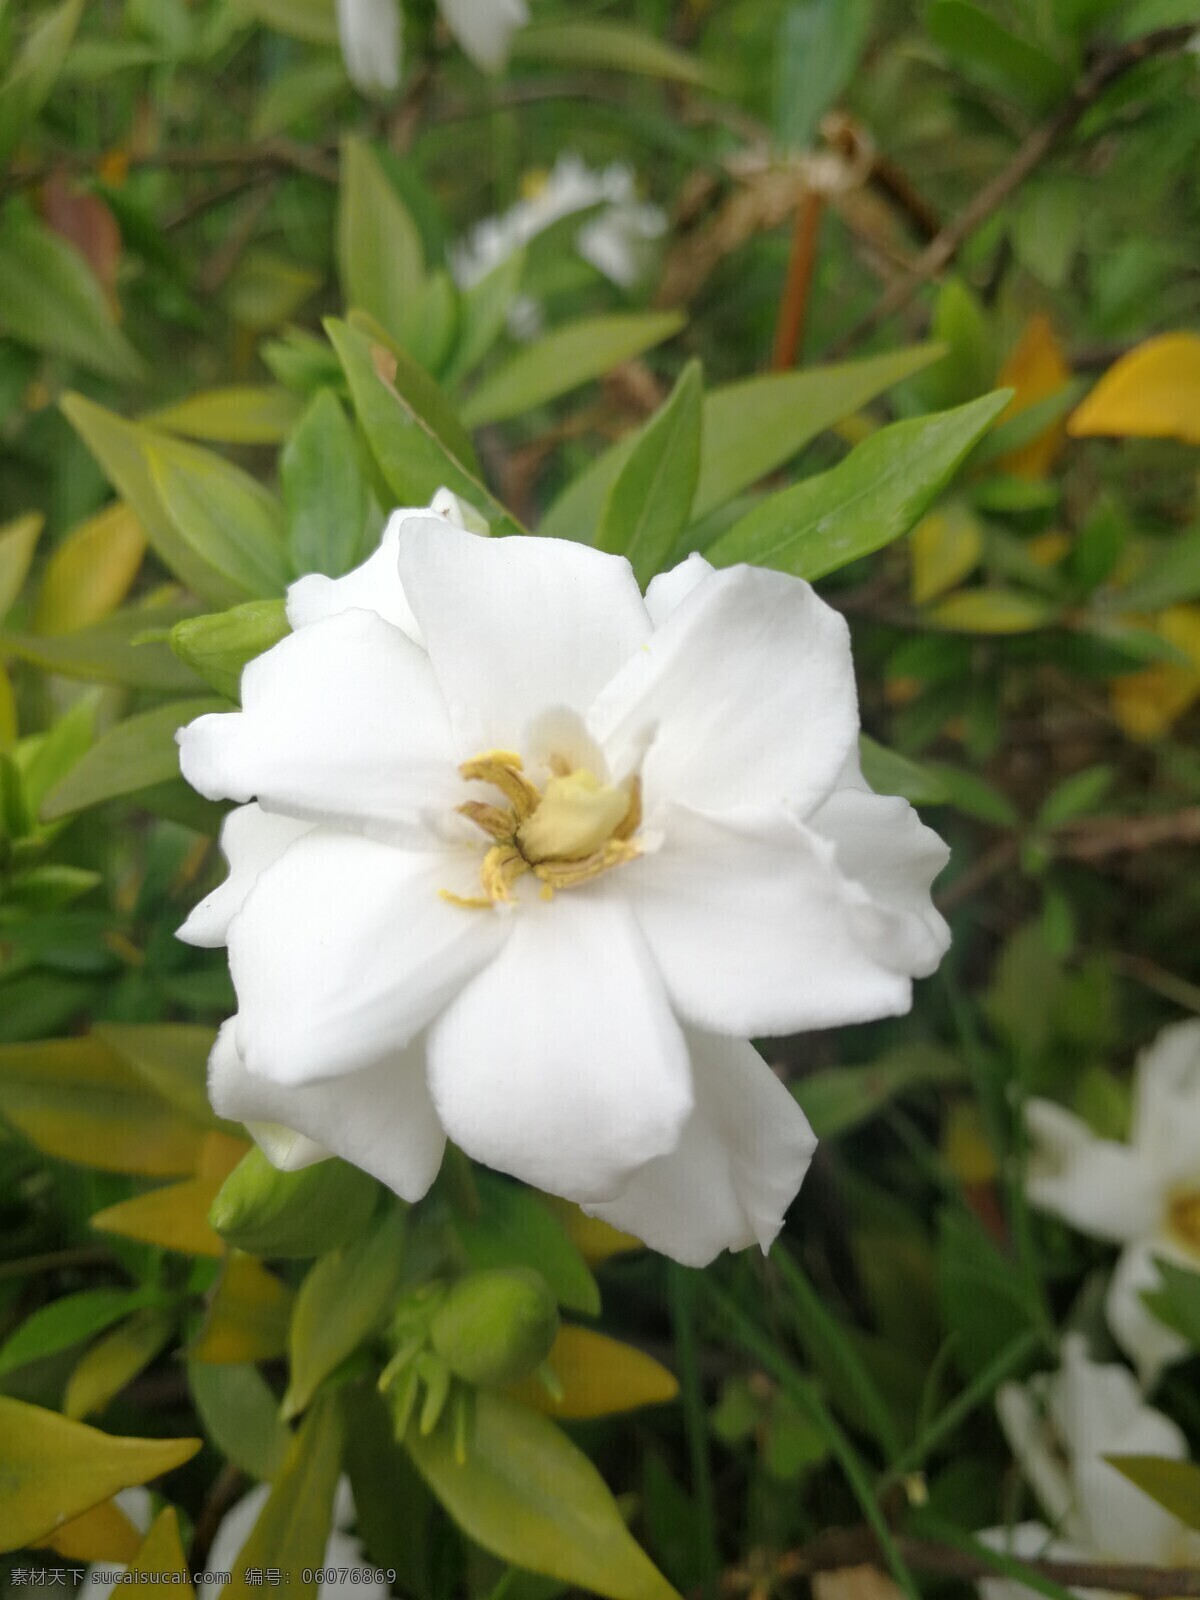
[174, 1217]
[1036, 369]
[17, 539]
[1146, 703]
[52, 1470]
[219, 1154]
[241, 414]
[965, 1147]
[76, 1100]
[104, 1533]
[1048, 549]
[161, 1553]
[990, 611]
[247, 1317]
[1153, 392]
[112, 1362]
[91, 571]
[595, 1240]
[945, 547]
[598, 1375]
[8, 711]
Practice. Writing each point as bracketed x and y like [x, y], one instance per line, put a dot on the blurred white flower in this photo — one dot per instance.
[618, 240]
[342, 1549]
[1144, 1195]
[371, 31]
[1060, 1426]
[524, 859]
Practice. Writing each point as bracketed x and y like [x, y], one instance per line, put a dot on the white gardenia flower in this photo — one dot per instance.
[1144, 1195]
[1060, 1426]
[370, 33]
[524, 859]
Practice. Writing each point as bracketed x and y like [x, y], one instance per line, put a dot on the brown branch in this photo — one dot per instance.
[849, 1548]
[271, 155]
[942, 249]
[793, 307]
[1096, 838]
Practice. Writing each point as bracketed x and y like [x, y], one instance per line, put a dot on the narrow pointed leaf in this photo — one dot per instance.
[648, 505]
[135, 754]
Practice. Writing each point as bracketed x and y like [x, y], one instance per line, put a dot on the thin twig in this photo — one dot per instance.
[793, 308]
[1096, 838]
[272, 154]
[855, 1547]
[942, 249]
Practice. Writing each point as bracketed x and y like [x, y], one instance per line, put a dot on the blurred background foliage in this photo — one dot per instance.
[244, 311]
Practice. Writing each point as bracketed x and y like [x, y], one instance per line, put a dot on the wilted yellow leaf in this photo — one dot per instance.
[990, 611]
[598, 1375]
[17, 539]
[91, 571]
[104, 1533]
[161, 1552]
[1036, 368]
[247, 1317]
[1152, 392]
[112, 1362]
[854, 1583]
[1146, 703]
[174, 1217]
[53, 1470]
[76, 1100]
[1048, 549]
[595, 1240]
[944, 548]
[965, 1146]
[219, 1154]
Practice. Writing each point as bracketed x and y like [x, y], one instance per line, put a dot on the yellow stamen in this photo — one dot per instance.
[502, 866]
[503, 769]
[1183, 1219]
[496, 820]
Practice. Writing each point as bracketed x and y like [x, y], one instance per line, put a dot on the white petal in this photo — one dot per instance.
[1149, 1343]
[1100, 1187]
[284, 1147]
[234, 1528]
[369, 32]
[670, 589]
[881, 843]
[1166, 1114]
[380, 1119]
[345, 949]
[484, 27]
[342, 720]
[344, 1554]
[251, 839]
[748, 689]
[514, 626]
[754, 929]
[1021, 1409]
[1027, 1541]
[372, 586]
[561, 1063]
[738, 1165]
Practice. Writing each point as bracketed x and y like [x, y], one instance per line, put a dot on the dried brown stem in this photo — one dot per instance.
[942, 249]
[793, 307]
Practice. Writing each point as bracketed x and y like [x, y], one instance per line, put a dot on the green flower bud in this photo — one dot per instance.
[301, 1213]
[495, 1327]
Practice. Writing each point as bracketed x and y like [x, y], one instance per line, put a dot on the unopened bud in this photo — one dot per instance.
[495, 1327]
[301, 1213]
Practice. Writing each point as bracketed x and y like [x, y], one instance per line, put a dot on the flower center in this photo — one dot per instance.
[1183, 1219]
[565, 834]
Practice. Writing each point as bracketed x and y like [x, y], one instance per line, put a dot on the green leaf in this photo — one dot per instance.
[341, 1302]
[219, 646]
[293, 1527]
[530, 1496]
[817, 49]
[312, 20]
[242, 414]
[65, 1322]
[611, 45]
[1171, 576]
[240, 1415]
[18, 540]
[106, 652]
[414, 462]
[114, 1361]
[988, 52]
[1140, 17]
[223, 513]
[1174, 1485]
[323, 490]
[133, 755]
[483, 315]
[35, 69]
[381, 262]
[983, 1299]
[648, 505]
[888, 772]
[973, 795]
[514, 1229]
[296, 92]
[172, 1059]
[1075, 796]
[969, 368]
[1177, 1302]
[54, 1470]
[53, 301]
[843, 1097]
[419, 391]
[123, 450]
[563, 359]
[866, 501]
[322, 1207]
[749, 429]
[991, 610]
